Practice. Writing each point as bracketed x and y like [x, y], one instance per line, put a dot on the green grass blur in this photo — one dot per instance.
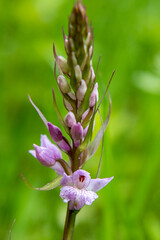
[127, 36]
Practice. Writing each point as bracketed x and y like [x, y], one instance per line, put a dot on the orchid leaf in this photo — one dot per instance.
[93, 147]
[11, 229]
[105, 90]
[59, 114]
[51, 185]
[39, 112]
[100, 160]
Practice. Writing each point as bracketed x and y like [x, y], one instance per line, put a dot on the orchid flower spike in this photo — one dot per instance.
[79, 189]
[77, 84]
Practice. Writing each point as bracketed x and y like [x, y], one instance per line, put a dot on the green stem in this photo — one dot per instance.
[69, 224]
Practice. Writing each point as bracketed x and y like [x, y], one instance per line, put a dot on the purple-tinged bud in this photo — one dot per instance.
[63, 65]
[63, 84]
[67, 105]
[55, 132]
[77, 131]
[70, 119]
[78, 73]
[89, 77]
[66, 45]
[64, 145]
[71, 43]
[58, 138]
[94, 96]
[81, 90]
[88, 39]
[91, 51]
[45, 155]
[93, 74]
[66, 42]
[72, 96]
[74, 59]
[77, 143]
[78, 104]
[71, 29]
[85, 114]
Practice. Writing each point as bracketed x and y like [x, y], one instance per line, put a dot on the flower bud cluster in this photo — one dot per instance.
[77, 78]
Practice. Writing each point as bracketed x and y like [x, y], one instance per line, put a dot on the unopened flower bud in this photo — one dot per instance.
[74, 59]
[93, 74]
[71, 30]
[94, 96]
[77, 132]
[63, 65]
[71, 44]
[72, 96]
[55, 132]
[85, 114]
[66, 45]
[78, 103]
[47, 154]
[81, 90]
[89, 76]
[91, 51]
[63, 84]
[67, 105]
[78, 73]
[59, 139]
[88, 39]
[70, 119]
[44, 155]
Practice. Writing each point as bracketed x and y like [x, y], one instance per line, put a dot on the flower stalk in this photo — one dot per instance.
[69, 224]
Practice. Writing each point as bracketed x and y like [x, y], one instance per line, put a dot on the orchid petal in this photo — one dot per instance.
[90, 197]
[45, 142]
[78, 198]
[45, 156]
[68, 193]
[67, 180]
[33, 153]
[57, 167]
[97, 184]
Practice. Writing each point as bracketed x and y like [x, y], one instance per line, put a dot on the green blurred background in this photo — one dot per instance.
[127, 36]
